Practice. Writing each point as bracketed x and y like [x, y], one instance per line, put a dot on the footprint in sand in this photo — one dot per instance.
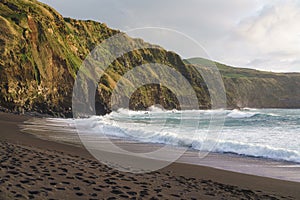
[65, 183]
[132, 193]
[111, 198]
[116, 192]
[79, 194]
[126, 187]
[47, 189]
[97, 189]
[76, 188]
[33, 192]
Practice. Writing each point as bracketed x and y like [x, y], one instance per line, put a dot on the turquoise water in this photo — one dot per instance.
[266, 133]
[251, 141]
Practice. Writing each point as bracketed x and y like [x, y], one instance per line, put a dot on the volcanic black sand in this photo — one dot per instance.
[32, 168]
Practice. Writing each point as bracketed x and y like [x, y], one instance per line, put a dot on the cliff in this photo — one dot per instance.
[256, 89]
[41, 52]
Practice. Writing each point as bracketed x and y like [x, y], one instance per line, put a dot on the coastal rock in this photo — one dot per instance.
[41, 52]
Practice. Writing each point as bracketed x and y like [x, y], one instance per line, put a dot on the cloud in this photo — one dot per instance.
[262, 34]
[270, 39]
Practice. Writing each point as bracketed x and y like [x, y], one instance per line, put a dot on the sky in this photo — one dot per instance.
[259, 34]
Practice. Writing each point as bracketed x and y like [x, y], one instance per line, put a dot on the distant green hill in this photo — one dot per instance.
[41, 52]
[254, 88]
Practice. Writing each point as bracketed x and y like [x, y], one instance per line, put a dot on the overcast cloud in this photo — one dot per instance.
[261, 34]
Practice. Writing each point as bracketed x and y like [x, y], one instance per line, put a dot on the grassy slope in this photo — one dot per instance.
[254, 88]
[41, 52]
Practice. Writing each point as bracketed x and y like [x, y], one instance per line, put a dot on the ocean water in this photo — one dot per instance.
[263, 142]
[265, 133]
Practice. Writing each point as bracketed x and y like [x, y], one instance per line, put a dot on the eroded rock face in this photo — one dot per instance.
[41, 52]
[257, 89]
[34, 70]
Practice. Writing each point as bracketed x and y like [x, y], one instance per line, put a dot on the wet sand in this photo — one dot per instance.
[33, 168]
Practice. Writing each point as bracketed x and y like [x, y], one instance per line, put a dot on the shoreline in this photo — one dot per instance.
[218, 180]
[65, 133]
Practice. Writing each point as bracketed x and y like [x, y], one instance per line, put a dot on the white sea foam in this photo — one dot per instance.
[272, 134]
[241, 114]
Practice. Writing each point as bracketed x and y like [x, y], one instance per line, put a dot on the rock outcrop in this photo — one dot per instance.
[41, 52]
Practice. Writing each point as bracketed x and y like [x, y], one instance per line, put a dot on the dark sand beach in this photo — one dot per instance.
[33, 168]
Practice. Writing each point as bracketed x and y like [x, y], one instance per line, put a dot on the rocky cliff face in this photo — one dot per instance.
[40, 53]
[257, 89]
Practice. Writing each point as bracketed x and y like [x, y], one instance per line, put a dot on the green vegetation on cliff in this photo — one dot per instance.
[257, 89]
[41, 52]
